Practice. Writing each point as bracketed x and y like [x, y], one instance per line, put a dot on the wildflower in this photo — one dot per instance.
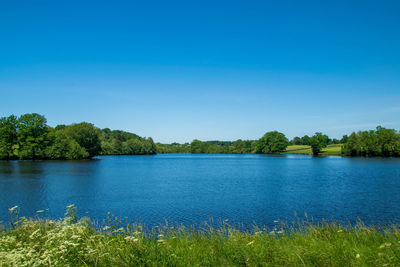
[250, 243]
[70, 244]
[387, 244]
[131, 238]
[280, 232]
[160, 235]
[106, 228]
[75, 236]
[358, 256]
[161, 241]
[13, 208]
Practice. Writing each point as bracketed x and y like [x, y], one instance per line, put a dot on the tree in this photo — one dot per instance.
[272, 142]
[344, 139]
[305, 140]
[8, 136]
[65, 147]
[32, 136]
[239, 147]
[196, 146]
[351, 147]
[389, 142]
[297, 141]
[317, 142]
[86, 135]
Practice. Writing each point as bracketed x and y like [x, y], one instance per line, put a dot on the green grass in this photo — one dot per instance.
[68, 242]
[300, 149]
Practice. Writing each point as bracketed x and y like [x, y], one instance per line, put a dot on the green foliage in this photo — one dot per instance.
[173, 148]
[8, 136]
[29, 137]
[32, 136]
[86, 135]
[317, 142]
[124, 143]
[380, 142]
[73, 242]
[65, 147]
[272, 142]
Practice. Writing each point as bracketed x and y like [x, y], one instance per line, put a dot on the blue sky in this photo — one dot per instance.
[180, 70]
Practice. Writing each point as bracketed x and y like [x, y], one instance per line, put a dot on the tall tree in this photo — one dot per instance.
[8, 136]
[86, 135]
[32, 136]
[272, 142]
[317, 142]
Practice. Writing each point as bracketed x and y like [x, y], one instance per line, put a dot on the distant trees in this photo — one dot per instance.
[317, 142]
[119, 142]
[272, 142]
[380, 142]
[29, 137]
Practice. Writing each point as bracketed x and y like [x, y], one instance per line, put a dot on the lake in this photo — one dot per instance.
[190, 189]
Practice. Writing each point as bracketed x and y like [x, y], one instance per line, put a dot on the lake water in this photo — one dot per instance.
[192, 188]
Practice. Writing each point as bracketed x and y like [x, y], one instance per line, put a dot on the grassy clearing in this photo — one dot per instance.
[300, 149]
[68, 242]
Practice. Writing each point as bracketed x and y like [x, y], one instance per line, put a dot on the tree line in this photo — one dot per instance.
[29, 137]
[374, 143]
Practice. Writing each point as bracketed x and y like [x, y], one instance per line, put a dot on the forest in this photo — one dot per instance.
[29, 137]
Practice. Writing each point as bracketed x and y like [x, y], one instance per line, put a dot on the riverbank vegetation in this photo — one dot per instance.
[73, 242]
[374, 143]
[29, 137]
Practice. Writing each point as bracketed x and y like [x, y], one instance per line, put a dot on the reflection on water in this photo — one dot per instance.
[189, 189]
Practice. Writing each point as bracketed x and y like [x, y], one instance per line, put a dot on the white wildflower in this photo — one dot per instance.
[131, 238]
[13, 208]
[32, 236]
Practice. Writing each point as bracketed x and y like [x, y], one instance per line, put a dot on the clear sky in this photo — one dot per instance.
[179, 70]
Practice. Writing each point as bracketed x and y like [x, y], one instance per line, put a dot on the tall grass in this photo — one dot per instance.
[73, 242]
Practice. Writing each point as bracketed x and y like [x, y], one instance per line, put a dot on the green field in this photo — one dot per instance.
[68, 242]
[329, 150]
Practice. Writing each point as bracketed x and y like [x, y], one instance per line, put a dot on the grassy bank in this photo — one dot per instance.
[334, 150]
[78, 243]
